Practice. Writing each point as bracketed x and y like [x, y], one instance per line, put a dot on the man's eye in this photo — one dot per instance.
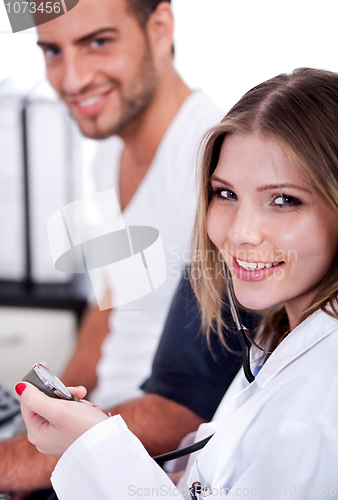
[284, 200]
[51, 52]
[99, 42]
[224, 194]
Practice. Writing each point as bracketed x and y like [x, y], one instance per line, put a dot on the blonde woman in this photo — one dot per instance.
[268, 208]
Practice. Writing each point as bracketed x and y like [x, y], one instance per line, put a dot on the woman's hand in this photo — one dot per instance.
[54, 424]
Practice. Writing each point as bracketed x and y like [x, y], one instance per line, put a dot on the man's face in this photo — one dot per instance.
[99, 61]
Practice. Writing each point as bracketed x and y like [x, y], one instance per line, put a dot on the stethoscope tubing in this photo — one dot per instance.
[246, 342]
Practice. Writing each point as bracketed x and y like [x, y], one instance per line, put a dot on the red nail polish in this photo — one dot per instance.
[20, 387]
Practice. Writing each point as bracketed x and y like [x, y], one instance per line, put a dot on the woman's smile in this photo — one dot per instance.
[254, 271]
[274, 231]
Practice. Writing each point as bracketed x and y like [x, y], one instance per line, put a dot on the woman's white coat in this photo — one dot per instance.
[277, 437]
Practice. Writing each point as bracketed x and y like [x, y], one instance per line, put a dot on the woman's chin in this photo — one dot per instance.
[254, 302]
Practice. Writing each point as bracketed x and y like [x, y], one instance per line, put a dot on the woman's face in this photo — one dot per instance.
[276, 234]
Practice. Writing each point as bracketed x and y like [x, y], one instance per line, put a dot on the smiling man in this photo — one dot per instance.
[111, 62]
[108, 67]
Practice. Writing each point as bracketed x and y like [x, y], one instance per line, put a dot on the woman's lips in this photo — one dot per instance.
[261, 271]
[90, 106]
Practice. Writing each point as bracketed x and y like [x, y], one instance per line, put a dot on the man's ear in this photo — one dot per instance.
[160, 27]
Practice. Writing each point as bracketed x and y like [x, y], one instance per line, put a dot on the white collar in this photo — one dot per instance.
[306, 335]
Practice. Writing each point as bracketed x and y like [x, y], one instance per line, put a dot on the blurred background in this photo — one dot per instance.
[224, 47]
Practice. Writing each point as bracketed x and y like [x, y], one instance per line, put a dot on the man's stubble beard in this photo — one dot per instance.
[133, 102]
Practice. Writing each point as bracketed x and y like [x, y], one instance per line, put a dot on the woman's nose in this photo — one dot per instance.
[246, 227]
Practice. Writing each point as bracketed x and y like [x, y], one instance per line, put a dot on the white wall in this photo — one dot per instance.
[222, 46]
[20, 58]
[227, 47]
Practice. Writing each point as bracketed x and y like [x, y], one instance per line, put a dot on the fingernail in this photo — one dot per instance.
[20, 387]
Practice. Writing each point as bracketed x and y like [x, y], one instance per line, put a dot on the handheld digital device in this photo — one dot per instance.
[45, 380]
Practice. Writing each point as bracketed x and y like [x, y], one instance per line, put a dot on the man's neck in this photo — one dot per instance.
[144, 135]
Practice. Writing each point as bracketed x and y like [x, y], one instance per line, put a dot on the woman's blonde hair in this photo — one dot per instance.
[300, 112]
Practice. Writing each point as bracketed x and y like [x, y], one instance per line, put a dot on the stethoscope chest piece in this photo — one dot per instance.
[198, 491]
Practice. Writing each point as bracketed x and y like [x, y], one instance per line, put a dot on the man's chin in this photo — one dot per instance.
[97, 134]
[93, 131]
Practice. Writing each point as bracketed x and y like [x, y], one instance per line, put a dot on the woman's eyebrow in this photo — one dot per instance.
[282, 186]
[221, 181]
[268, 187]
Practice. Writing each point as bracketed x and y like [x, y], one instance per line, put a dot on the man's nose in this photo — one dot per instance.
[77, 74]
[247, 227]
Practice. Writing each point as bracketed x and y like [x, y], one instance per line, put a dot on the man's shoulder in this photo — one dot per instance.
[195, 117]
[201, 109]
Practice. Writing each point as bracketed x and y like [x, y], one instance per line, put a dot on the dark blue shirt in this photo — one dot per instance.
[184, 370]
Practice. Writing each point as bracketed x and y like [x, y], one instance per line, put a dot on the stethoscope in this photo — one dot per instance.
[246, 342]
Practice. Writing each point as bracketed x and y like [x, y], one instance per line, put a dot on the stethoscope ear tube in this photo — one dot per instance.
[244, 335]
[161, 459]
[246, 342]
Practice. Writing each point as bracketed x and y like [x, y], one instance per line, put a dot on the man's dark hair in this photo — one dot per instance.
[142, 9]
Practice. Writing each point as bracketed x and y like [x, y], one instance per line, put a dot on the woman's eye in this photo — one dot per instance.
[224, 194]
[284, 200]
